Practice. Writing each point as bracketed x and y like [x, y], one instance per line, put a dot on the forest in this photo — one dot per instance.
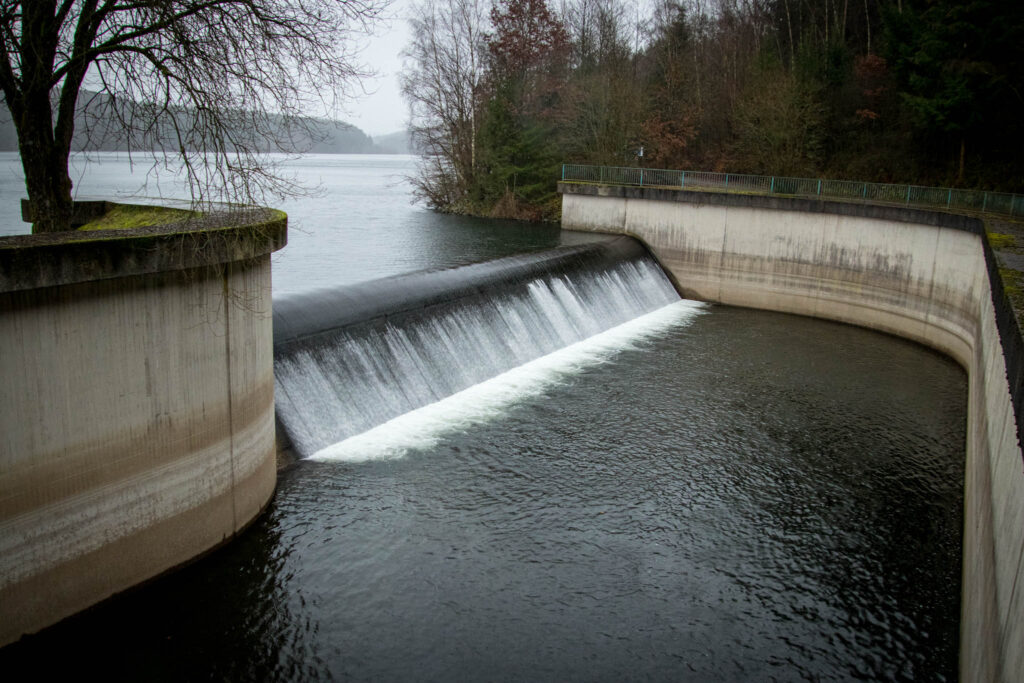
[929, 92]
[97, 129]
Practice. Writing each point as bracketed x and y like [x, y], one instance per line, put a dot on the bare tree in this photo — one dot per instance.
[578, 18]
[442, 84]
[602, 108]
[200, 81]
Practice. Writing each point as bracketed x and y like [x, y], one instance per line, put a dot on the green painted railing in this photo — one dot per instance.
[847, 190]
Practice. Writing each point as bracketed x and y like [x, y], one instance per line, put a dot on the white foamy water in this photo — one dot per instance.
[424, 427]
[362, 377]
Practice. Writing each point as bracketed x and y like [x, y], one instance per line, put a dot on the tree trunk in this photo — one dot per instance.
[49, 188]
[44, 150]
[792, 45]
[826, 25]
[867, 23]
[45, 161]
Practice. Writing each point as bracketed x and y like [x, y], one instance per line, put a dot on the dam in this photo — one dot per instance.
[922, 275]
[552, 466]
[406, 342]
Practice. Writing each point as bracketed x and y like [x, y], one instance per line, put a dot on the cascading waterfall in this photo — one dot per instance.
[348, 361]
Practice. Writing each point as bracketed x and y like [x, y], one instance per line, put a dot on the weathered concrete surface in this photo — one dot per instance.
[136, 413]
[921, 275]
[63, 258]
[81, 212]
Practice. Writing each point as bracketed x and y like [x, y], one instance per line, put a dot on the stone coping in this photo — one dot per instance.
[63, 258]
[902, 214]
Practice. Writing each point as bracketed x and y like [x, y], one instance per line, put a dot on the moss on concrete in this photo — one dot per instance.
[1004, 235]
[140, 240]
[129, 216]
[1000, 240]
[1013, 286]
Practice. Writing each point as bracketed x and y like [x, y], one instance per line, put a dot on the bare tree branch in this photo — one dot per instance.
[443, 88]
[205, 83]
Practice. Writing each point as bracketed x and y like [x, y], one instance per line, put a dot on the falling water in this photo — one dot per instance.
[348, 362]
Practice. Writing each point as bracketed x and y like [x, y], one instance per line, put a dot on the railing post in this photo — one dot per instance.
[819, 187]
[563, 172]
[865, 195]
[641, 177]
[726, 180]
[984, 202]
[682, 181]
[908, 194]
[949, 197]
[771, 190]
[600, 174]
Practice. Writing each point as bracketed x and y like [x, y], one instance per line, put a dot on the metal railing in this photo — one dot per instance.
[846, 190]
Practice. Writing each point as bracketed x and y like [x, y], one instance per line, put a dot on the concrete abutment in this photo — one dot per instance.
[926, 276]
[137, 421]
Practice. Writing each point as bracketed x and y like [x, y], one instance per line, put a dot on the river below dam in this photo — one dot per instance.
[691, 493]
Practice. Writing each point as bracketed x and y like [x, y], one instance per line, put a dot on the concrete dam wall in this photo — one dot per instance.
[137, 421]
[921, 275]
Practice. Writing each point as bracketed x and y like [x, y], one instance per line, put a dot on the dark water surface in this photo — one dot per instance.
[752, 496]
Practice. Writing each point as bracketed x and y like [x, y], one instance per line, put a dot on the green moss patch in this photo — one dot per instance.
[1013, 287]
[1001, 241]
[128, 216]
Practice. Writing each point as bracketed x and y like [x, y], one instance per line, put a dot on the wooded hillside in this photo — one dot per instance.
[97, 130]
[923, 91]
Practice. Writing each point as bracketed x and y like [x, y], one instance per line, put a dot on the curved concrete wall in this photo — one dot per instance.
[137, 421]
[920, 275]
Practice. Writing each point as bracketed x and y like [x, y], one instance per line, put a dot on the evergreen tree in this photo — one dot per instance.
[959, 69]
[528, 52]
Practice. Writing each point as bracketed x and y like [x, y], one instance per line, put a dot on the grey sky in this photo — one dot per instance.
[382, 110]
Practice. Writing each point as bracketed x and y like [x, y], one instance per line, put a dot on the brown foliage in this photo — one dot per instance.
[528, 49]
[527, 37]
[667, 140]
[512, 207]
[871, 74]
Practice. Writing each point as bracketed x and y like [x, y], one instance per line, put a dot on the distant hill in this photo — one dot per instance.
[394, 143]
[331, 137]
[335, 137]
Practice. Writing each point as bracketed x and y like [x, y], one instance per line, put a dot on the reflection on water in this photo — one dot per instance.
[752, 497]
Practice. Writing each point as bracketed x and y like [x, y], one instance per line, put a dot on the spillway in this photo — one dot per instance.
[736, 495]
[350, 359]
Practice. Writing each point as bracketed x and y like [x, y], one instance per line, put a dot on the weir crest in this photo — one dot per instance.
[350, 360]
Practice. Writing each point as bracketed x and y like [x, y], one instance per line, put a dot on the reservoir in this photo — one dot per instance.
[688, 492]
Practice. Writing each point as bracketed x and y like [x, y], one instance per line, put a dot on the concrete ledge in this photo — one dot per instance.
[62, 258]
[924, 275]
[779, 203]
[137, 430]
[82, 212]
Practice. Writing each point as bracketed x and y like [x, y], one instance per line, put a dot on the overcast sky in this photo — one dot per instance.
[382, 110]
